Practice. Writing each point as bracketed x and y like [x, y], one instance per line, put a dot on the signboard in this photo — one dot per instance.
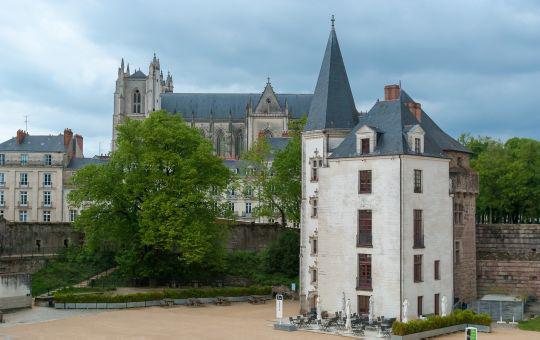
[279, 307]
[471, 333]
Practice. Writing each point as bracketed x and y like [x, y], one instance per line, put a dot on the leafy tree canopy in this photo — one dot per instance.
[152, 203]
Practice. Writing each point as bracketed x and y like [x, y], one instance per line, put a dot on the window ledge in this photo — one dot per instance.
[419, 247]
[364, 246]
[418, 281]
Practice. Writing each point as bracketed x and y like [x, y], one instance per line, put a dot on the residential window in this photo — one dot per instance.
[2, 197]
[1, 213]
[420, 303]
[363, 304]
[231, 191]
[313, 275]
[365, 145]
[136, 102]
[457, 252]
[2, 159]
[315, 165]
[417, 145]
[313, 246]
[364, 272]
[418, 230]
[417, 268]
[314, 211]
[249, 192]
[231, 206]
[47, 180]
[72, 215]
[2, 179]
[365, 225]
[418, 181]
[23, 198]
[47, 159]
[437, 270]
[24, 159]
[437, 305]
[248, 208]
[23, 179]
[46, 216]
[46, 198]
[23, 215]
[458, 213]
[364, 186]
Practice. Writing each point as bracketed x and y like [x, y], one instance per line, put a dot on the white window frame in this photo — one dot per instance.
[47, 159]
[46, 216]
[248, 207]
[47, 182]
[2, 179]
[25, 182]
[23, 216]
[2, 159]
[23, 202]
[2, 199]
[47, 199]
[72, 215]
[23, 158]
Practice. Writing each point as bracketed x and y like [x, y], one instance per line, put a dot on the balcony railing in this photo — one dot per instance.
[363, 283]
[364, 240]
[47, 185]
[46, 204]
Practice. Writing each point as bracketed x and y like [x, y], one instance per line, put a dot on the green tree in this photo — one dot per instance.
[152, 203]
[276, 175]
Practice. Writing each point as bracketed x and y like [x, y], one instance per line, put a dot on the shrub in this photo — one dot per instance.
[458, 317]
[168, 293]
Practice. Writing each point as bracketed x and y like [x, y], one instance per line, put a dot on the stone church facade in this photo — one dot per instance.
[231, 121]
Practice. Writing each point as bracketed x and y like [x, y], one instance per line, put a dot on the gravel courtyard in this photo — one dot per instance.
[239, 321]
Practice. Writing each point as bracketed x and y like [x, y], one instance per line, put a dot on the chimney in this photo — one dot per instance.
[21, 135]
[391, 92]
[416, 110]
[79, 141]
[68, 136]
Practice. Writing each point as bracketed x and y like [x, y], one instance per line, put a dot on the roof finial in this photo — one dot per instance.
[333, 20]
[267, 80]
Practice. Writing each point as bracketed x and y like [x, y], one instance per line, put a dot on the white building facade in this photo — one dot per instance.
[376, 202]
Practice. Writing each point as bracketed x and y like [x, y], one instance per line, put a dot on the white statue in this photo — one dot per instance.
[318, 306]
[405, 310]
[348, 324]
[443, 305]
[371, 310]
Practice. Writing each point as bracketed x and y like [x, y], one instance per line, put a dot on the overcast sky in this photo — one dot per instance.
[474, 65]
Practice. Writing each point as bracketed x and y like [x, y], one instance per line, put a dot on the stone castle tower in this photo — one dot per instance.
[138, 94]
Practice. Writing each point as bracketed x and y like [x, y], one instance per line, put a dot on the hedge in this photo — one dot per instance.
[166, 294]
[458, 317]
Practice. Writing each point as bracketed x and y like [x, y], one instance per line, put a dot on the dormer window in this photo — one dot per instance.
[365, 146]
[417, 145]
[366, 140]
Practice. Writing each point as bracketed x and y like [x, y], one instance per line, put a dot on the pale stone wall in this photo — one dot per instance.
[15, 291]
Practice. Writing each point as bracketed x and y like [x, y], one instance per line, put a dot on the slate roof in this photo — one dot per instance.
[333, 103]
[278, 143]
[393, 119]
[220, 104]
[77, 163]
[138, 75]
[35, 144]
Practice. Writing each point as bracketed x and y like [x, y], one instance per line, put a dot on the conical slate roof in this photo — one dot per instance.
[332, 105]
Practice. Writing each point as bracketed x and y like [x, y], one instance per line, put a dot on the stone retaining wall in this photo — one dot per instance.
[15, 291]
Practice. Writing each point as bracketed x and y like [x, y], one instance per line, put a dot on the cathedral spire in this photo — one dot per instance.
[332, 105]
[127, 71]
[122, 65]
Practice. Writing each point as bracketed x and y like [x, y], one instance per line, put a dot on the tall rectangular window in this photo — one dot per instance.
[248, 208]
[47, 180]
[437, 306]
[316, 163]
[418, 181]
[418, 230]
[365, 225]
[23, 198]
[417, 145]
[23, 216]
[365, 145]
[47, 159]
[2, 197]
[314, 246]
[458, 213]
[2, 213]
[24, 159]
[437, 270]
[314, 211]
[364, 179]
[363, 304]
[313, 275]
[46, 216]
[364, 272]
[23, 179]
[46, 198]
[420, 302]
[2, 179]
[72, 215]
[457, 252]
[417, 268]
[2, 159]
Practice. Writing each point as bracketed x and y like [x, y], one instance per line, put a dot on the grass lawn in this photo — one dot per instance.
[531, 325]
